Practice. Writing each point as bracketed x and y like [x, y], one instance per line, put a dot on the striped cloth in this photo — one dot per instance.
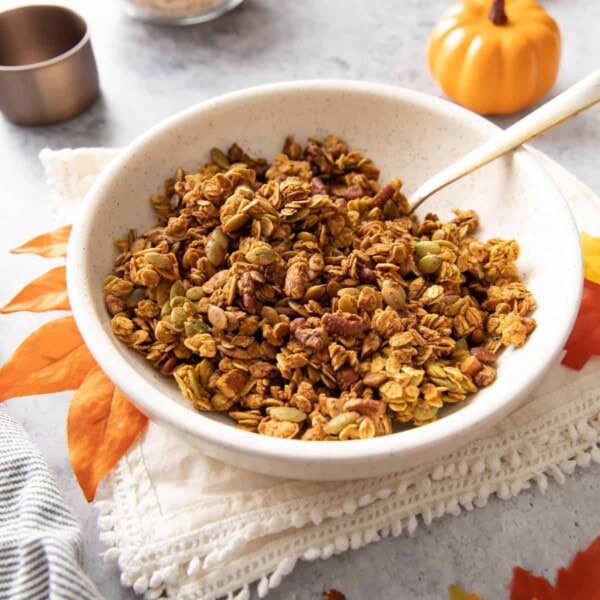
[40, 541]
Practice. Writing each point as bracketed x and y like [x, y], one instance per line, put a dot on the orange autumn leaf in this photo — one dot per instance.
[457, 593]
[581, 579]
[584, 340]
[47, 292]
[101, 426]
[591, 257]
[48, 245]
[53, 358]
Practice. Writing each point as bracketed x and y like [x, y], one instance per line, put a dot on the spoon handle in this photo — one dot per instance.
[574, 100]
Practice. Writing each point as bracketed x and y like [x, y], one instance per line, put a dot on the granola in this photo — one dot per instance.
[300, 297]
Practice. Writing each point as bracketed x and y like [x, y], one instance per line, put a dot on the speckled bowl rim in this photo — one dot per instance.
[448, 433]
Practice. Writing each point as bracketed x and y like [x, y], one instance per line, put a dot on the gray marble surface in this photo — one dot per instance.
[148, 73]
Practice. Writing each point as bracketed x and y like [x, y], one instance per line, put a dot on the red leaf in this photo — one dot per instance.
[52, 359]
[579, 581]
[584, 341]
[101, 426]
[48, 245]
[582, 577]
[526, 586]
[47, 292]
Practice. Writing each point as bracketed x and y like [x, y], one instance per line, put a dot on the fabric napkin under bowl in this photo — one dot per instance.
[179, 522]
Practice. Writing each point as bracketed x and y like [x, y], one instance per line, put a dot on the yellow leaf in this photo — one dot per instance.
[101, 426]
[53, 358]
[48, 292]
[591, 257]
[48, 245]
[457, 593]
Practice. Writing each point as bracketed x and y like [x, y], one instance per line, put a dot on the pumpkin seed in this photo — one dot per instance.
[215, 253]
[194, 383]
[178, 317]
[195, 293]
[426, 247]
[205, 369]
[393, 294]
[177, 301]
[177, 289]
[166, 309]
[216, 247]
[195, 328]
[287, 413]
[297, 307]
[429, 263]
[190, 307]
[435, 370]
[390, 210]
[447, 383]
[314, 292]
[217, 317]
[219, 158]
[220, 237]
[340, 421]
[135, 296]
[261, 255]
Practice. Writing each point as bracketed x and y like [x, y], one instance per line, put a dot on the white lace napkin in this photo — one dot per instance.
[193, 527]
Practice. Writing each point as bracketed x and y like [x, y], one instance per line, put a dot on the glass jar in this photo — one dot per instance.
[178, 12]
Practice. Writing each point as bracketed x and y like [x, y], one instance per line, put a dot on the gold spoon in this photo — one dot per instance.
[571, 102]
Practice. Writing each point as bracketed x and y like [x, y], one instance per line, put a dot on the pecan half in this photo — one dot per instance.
[383, 195]
[344, 326]
[114, 304]
[167, 364]
[248, 292]
[318, 186]
[353, 192]
[365, 406]
[483, 355]
[315, 338]
[346, 377]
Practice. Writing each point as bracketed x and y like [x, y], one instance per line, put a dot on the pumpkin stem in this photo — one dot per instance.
[497, 14]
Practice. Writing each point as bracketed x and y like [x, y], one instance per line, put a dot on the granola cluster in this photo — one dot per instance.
[300, 298]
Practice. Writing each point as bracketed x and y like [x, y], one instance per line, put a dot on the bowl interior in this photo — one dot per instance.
[409, 135]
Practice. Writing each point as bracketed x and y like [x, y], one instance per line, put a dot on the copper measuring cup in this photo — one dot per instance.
[47, 68]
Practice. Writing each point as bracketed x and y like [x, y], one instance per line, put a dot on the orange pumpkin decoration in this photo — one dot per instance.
[495, 58]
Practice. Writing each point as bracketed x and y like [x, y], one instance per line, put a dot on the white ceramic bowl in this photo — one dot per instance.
[408, 134]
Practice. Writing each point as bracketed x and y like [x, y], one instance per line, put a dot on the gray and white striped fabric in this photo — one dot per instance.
[40, 541]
